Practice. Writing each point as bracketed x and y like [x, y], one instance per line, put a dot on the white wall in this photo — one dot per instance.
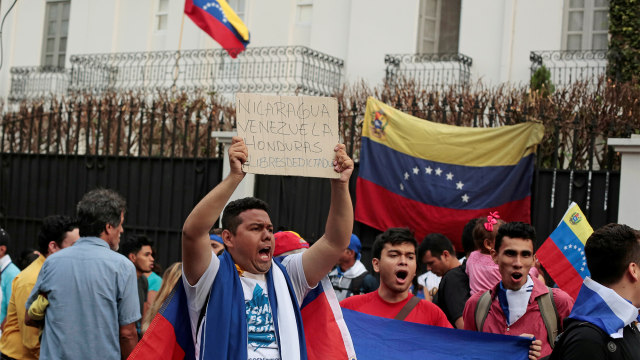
[497, 34]
[500, 34]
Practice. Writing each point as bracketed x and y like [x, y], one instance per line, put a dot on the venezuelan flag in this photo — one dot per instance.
[562, 254]
[169, 334]
[434, 177]
[379, 338]
[219, 20]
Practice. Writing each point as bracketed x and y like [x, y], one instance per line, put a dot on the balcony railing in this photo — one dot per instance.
[31, 82]
[568, 67]
[431, 71]
[284, 70]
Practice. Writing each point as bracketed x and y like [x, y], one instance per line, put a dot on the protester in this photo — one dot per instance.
[138, 250]
[518, 303]
[350, 277]
[468, 245]
[438, 253]
[244, 283]
[394, 258]
[8, 271]
[91, 288]
[482, 270]
[169, 280]
[217, 244]
[27, 256]
[288, 243]
[18, 340]
[604, 321]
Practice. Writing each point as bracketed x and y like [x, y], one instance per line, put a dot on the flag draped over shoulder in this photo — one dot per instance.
[219, 20]
[562, 254]
[379, 338]
[169, 334]
[325, 330]
[434, 177]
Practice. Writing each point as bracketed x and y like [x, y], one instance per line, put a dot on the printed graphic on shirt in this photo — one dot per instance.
[261, 332]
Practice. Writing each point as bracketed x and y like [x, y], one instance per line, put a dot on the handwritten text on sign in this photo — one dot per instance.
[288, 135]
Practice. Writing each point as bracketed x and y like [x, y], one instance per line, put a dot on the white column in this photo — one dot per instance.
[246, 187]
[629, 208]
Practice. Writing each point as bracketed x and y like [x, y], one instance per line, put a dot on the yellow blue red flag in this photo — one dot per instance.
[562, 254]
[434, 177]
[219, 20]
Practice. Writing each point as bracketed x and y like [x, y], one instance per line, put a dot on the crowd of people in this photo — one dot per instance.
[245, 284]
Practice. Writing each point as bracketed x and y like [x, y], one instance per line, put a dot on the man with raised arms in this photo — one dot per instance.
[243, 304]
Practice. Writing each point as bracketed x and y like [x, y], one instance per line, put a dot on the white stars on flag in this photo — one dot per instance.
[416, 170]
[438, 171]
[414, 181]
[449, 176]
[406, 176]
[459, 185]
[428, 170]
[401, 187]
[465, 198]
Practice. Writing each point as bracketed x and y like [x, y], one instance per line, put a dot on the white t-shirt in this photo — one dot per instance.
[262, 344]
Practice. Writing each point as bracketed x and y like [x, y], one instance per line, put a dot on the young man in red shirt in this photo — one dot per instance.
[394, 258]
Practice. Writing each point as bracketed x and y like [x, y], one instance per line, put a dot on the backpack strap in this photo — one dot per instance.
[406, 309]
[355, 287]
[549, 314]
[612, 352]
[482, 309]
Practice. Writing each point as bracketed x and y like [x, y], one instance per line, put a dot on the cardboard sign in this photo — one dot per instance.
[288, 135]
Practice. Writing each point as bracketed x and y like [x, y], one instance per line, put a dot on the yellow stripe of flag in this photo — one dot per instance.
[234, 20]
[577, 222]
[501, 146]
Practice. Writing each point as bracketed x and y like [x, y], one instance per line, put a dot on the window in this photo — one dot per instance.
[56, 29]
[162, 15]
[304, 11]
[586, 25]
[438, 26]
[238, 8]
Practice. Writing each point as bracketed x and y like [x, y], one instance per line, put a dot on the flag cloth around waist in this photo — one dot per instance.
[217, 18]
[562, 254]
[379, 338]
[434, 177]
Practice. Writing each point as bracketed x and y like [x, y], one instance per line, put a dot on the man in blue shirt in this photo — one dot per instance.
[91, 289]
[8, 271]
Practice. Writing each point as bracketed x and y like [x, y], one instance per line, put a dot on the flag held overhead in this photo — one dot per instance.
[217, 18]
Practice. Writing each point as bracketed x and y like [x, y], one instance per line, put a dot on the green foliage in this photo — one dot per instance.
[541, 81]
[624, 43]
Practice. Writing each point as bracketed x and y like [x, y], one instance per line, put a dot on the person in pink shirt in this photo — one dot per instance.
[482, 270]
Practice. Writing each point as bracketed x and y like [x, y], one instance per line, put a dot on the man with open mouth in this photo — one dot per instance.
[394, 258]
[243, 304]
[516, 304]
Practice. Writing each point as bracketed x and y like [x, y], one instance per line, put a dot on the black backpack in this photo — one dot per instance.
[615, 351]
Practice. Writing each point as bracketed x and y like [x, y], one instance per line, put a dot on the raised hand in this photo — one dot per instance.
[342, 163]
[238, 155]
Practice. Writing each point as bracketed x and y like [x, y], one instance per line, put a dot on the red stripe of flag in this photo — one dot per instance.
[559, 268]
[318, 319]
[159, 342]
[381, 209]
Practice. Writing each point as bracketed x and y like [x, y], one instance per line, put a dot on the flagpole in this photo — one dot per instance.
[176, 69]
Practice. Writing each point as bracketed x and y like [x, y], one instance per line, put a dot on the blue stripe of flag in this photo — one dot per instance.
[571, 247]
[598, 311]
[486, 186]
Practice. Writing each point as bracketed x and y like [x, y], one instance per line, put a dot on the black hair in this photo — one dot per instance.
[468, 245]
[230, 217]
[610, 250]
[4, 239]
[515, 230]
[54, 228]
[27, 256]
[436, 244]
[97, 208]
[393, 236]
[133, 244]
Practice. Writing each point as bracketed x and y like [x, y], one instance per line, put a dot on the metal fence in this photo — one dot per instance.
[570, 66]
[430, 71]
[283, 70]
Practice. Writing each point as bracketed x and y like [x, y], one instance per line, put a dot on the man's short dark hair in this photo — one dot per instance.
[96, 209]
[230, 217]
[393, 236]
[515, 230]
[133, 244]
[54, 228]
[436, 244]
[4, 239]
[610, 250]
